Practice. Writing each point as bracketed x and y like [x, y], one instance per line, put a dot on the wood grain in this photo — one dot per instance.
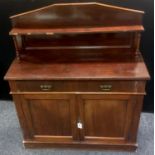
[79, 78]
[68, 71]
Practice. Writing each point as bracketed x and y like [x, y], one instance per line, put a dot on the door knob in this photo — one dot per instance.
[79, 125]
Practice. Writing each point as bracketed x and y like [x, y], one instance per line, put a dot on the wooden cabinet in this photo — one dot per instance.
[78, 84]
[57, 117]
[98, 119]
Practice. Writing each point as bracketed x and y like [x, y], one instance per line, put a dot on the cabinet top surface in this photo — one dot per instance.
[77, 17]
[117, 70]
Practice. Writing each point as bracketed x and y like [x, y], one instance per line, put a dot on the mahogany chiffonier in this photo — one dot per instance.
[78, 79]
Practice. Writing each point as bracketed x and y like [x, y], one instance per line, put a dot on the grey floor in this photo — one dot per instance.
[11, 138]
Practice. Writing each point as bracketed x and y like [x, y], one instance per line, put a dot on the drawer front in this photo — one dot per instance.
[79, 86]
[112, 86]
[45, 86]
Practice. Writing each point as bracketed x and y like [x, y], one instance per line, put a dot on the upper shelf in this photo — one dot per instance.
[77, 18]
[22, 31]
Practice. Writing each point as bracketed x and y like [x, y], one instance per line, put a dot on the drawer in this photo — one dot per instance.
[112, 86]
[45, 86]
[79, 86]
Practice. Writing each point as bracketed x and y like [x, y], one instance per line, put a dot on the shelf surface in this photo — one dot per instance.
[29, 31]
[124, 70]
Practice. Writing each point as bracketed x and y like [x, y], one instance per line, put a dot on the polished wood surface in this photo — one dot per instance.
[55, 111]
[107, 119]
[79, 41]
[79, 78]
[27, 70]
[54, 27]
[78, 15]
[79, 85]
[110, 113]
[48, 31]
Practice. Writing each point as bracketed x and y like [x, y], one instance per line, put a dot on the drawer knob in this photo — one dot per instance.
[45, 87]
[105, 87]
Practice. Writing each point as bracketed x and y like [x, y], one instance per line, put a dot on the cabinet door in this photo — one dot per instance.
[104, 118]
[51, 117]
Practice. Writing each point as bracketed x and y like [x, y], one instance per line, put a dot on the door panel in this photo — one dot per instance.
[51, 116]
[97, 119]
[105, 117]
